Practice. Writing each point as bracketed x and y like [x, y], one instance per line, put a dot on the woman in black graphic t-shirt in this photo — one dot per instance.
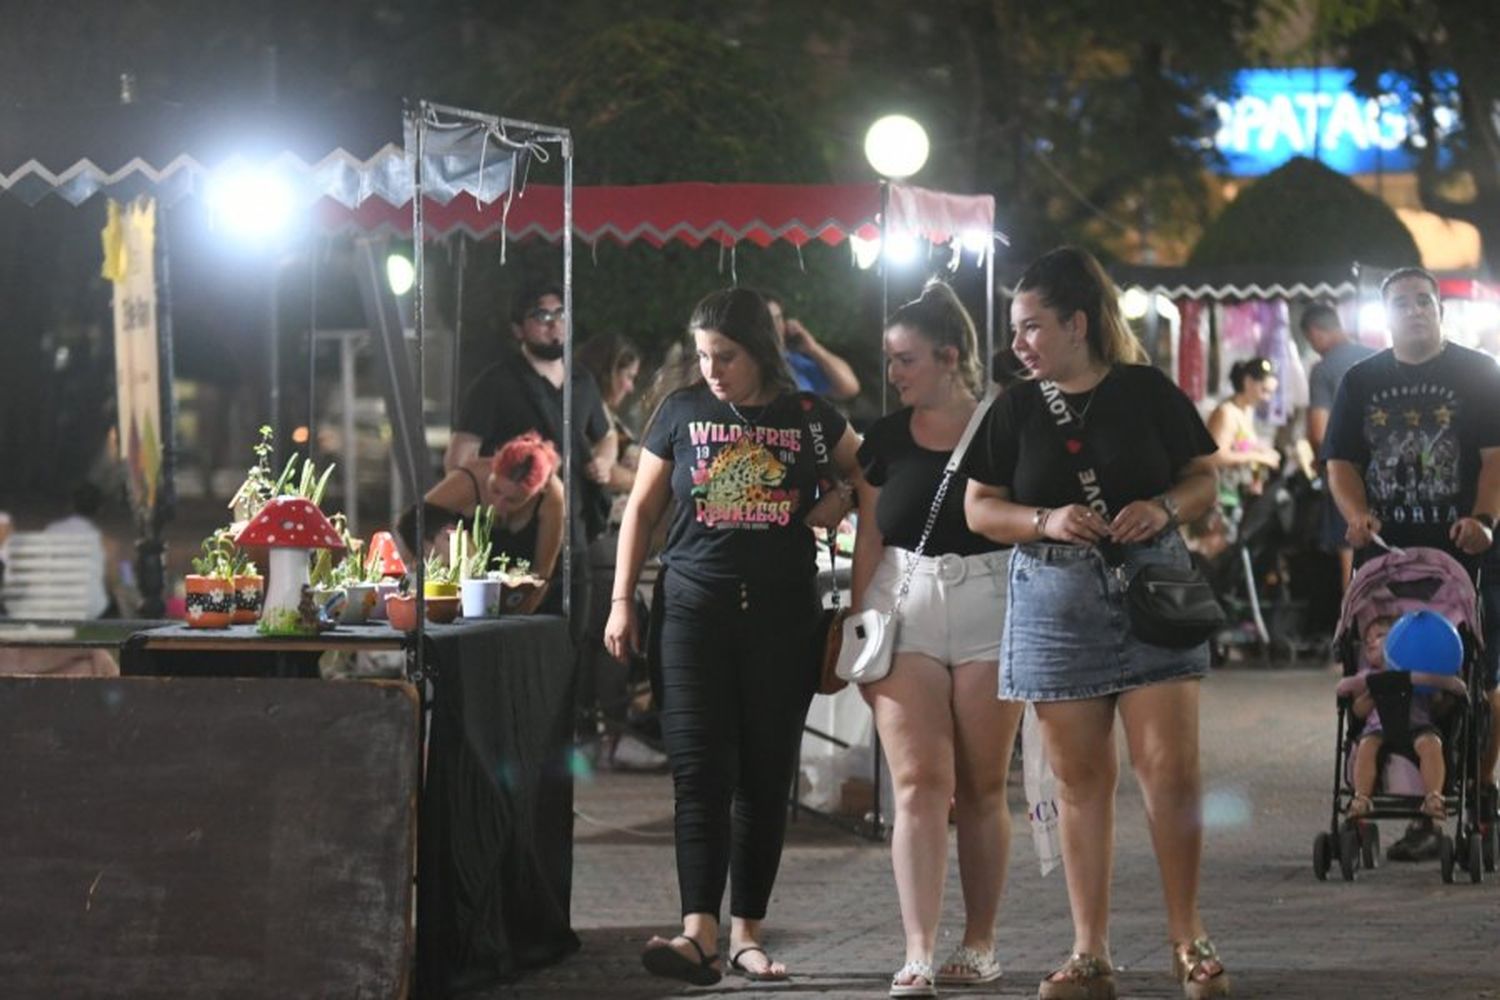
[738, 450]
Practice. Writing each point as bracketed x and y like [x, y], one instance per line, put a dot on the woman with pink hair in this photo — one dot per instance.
[520, 482]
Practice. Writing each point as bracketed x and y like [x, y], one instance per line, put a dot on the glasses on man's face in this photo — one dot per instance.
[545, 315]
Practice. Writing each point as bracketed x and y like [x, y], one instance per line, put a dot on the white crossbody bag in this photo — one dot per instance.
[870, 635]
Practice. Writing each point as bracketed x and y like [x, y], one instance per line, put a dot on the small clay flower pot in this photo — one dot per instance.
[249, 592]
[401, 611]
[442, 610]
[210, 601]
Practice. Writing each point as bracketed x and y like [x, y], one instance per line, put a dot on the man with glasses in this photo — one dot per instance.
[524, 392]
[1413, 453]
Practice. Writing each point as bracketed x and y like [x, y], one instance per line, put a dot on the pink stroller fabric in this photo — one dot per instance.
[1370, 595]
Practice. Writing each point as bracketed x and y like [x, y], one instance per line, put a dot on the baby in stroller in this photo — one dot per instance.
[1408, 643]
[1425, 737]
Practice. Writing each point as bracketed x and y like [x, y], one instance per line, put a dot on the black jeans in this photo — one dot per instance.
[737, 677]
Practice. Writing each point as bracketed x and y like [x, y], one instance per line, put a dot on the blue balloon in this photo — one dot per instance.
[1424, 642]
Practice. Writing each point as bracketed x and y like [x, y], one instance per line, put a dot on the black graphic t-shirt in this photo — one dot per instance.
[1415, 432]
[908, 476]
[742, 489]
[1139, 430]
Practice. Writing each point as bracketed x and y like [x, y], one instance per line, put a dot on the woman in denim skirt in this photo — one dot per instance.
[1087, 468]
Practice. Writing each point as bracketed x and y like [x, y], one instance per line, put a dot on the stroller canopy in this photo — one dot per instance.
[1411, 580]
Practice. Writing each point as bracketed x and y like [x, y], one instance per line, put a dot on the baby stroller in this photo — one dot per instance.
[1389, 586]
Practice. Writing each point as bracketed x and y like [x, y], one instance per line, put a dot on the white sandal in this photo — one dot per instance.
[975, 967]
[913, 971]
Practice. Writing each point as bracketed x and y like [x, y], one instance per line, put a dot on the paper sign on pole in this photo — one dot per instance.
[130, 262]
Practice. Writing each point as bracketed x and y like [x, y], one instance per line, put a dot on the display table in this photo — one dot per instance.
[495, 830]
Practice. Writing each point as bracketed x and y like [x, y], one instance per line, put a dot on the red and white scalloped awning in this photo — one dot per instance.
[691, 213]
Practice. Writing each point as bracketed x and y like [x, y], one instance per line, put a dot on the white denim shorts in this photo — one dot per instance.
[955, 610]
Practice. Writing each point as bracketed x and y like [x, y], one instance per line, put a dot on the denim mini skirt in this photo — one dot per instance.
[1067, 633]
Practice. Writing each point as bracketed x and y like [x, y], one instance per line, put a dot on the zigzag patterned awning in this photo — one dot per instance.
[692, 213]
[350, 154]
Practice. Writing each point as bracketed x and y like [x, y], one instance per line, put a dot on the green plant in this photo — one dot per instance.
[260, 485]
[438, 570]
[218, 557]
[474, 545]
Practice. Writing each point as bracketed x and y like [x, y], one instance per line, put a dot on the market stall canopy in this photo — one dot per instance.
[349, 153]
[1233, 284]
[693, 213]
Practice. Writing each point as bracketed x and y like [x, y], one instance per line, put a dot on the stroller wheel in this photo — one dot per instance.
[1369, 844]
[1445, 857]
[1349, 853]
[1476, 858]
[1322, 855]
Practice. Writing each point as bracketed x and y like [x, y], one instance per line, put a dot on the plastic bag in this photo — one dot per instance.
[1041, 793]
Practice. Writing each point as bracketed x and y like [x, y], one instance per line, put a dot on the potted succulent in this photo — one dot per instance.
[210, 588]
[249, 587]
[440, 577]
[440, 588]
[360, 579]
[518, 581]
[479, 589]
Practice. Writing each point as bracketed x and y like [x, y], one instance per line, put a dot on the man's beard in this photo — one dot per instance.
[547, 351]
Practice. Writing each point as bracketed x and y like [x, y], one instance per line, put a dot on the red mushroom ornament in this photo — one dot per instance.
[384, 553]
[290, 528]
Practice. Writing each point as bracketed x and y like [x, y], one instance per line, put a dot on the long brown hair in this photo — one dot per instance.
[741, 315]
[940, 318]
[1070, 280]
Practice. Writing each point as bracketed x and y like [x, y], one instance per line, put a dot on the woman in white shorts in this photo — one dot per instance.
[947, 736]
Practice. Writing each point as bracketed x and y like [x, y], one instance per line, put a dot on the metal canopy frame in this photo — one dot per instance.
[421, 119]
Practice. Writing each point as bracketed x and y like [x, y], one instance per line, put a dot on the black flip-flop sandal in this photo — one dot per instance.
[756, 977]
[664, 960]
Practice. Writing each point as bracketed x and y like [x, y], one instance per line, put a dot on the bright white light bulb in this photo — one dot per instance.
[900, 249]
[252, 203]
[400, 273]
[896, 146]
[1134, 302]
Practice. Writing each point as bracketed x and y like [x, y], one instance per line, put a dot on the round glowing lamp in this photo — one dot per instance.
[896, 146]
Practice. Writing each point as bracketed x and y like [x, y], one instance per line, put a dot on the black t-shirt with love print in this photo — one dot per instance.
[742, 487]
[1139, 430]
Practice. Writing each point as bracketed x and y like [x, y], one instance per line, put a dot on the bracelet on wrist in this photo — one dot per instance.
[1040, 519]
[1488, 520]
[617, 600]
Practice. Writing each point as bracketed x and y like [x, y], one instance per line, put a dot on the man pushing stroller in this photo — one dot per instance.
[1413, 455]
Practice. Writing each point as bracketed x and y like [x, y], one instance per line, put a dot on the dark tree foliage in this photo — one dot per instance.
[1419, 41]
[1305, 214]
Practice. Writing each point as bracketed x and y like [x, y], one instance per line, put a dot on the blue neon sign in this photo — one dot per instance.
[1277, 114]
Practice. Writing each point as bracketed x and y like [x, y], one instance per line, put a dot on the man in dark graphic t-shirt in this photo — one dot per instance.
[1413, 444]
[1413, 451]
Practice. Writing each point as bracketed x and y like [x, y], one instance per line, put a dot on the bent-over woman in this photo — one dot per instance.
[520, 481]
[738, 448]
[1087, 468]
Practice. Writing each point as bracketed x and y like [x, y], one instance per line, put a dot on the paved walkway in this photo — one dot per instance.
[1398, 932]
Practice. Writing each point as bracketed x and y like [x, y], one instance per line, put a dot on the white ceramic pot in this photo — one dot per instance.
[481, 598]
[360, 605]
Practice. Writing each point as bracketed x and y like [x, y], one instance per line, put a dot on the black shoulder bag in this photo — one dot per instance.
[1169, 607]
